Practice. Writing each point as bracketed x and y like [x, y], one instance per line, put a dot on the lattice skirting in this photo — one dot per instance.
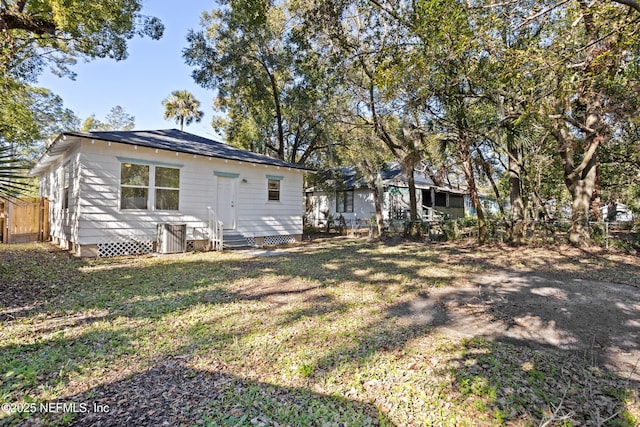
[251, 241]
[279, 240]
[124, 247]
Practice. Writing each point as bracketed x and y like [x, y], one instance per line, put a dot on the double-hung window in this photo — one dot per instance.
[143, 186]
[66, 183]
[274, 190]
[134, 186]
[344, 201]
[167, 188]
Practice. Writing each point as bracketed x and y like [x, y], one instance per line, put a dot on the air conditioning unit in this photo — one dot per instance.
[172, 238]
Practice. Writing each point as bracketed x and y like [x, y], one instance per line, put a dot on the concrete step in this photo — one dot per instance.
[233, 240]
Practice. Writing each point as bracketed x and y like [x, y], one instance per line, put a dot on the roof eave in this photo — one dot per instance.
[53, 152]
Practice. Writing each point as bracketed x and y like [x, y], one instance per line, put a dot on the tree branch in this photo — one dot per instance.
[21, 21]
[542, 12]
[633, 4]
[393, 14]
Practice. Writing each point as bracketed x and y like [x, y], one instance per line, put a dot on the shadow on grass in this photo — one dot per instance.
[596, 321]
[302, 285]
[174, 393]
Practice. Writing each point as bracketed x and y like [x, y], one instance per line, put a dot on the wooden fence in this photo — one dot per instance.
[25, 220]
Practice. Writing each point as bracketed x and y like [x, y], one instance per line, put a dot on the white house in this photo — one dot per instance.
[344, 193]
[109, 191]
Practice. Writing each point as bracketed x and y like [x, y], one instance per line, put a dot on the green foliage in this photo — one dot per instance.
[182, 107]
[28, 116]
[451, 228]
[511, 99]
[58, 32]
[39, 33]
[274, 90]
[12, 174]
[116, 119]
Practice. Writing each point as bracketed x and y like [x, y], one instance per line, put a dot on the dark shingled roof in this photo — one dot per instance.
[348, 178]
[391, 173]
[173, 140]
[184, 142]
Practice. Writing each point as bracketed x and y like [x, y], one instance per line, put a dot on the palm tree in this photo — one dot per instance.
[183, 107]
[11, 173]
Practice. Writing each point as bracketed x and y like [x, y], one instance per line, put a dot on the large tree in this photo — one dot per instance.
[28, 116]
[570, 66]
[273, 91]
[36, 33]
[591, 85]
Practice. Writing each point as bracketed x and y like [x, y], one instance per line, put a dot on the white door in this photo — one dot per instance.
[227, 202]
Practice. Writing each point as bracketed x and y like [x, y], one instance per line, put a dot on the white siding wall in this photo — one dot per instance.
[63, 223]
[363, 206]
[102, 220]
[256, 215]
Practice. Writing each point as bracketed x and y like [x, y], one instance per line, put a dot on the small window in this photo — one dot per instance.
[274, 190]
[134, 186]
[344, 201]
[66, 179]
[456, 201]
[426, 198]
[167, 188]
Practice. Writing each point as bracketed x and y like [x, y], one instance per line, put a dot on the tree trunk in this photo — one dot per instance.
[579, 231]
[275, 93]
[581, 187]
[596, 198]
[414, 229]
[378, 193]
[517, 234]
[581, 180]
[413, 202]
[467, 168]
[496, 191]
[375, 184]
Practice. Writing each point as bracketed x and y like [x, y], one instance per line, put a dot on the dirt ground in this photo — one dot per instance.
[550, 298]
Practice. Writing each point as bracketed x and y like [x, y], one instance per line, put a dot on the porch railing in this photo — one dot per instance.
[215, 230]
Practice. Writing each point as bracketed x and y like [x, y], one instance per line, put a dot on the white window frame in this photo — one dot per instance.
[151, 187]
[65, 180]
[156, 188]
[274, 179]
[344, 196]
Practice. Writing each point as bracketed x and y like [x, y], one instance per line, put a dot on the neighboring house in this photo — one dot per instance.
[489, 205]
[344, 193]
[108, 191]
[616, 212]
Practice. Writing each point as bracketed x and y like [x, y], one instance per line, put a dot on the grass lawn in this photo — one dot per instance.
[309, 337]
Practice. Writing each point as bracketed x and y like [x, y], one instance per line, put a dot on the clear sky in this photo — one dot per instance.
[139, 83]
